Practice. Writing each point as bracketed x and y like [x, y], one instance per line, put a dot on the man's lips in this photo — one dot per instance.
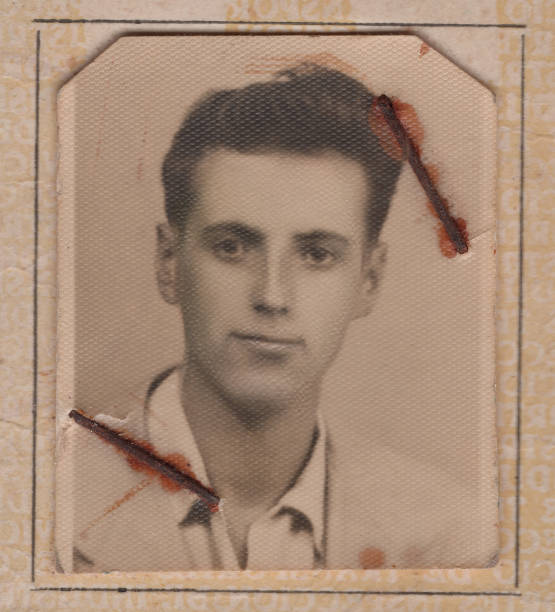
[269, 342]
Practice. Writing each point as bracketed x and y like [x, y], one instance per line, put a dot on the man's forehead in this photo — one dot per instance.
[299, 191]
[275, 161]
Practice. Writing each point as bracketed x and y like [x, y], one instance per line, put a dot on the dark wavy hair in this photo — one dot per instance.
[307, 109]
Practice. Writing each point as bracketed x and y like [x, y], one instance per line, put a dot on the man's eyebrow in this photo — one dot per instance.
[317, 235]
[239, 229]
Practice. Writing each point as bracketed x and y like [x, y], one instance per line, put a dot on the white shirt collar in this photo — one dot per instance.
[169, 432]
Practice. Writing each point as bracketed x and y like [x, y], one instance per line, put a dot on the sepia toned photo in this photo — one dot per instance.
[277, 279]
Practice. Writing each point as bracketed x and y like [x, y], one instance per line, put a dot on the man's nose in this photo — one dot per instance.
[271, 294]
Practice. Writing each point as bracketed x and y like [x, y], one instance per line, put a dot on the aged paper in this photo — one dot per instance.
[508, 46]
[336, 387]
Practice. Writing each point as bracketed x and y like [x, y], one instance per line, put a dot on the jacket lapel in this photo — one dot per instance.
[124, 520]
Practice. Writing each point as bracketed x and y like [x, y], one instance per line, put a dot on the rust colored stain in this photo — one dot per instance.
[433, 171]
[407, 116]
[378, 124]
[175, 459]
[424, 48]
[182, 464]
[446, 245]
[126, 497]
[134, 462]
[408, 135]
[142, 456]
[371, 558]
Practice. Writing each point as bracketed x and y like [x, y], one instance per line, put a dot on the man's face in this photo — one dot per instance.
[270, 270]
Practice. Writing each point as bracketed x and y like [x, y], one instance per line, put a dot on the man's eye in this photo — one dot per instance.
[229, 249]
[318, 256]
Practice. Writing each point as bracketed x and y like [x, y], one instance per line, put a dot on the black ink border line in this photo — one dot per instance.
[276, 591]
[382, 24]
[519, 331]
[35, 304]
[520, 311]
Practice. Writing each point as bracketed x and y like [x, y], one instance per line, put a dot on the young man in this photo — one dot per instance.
[275, 197]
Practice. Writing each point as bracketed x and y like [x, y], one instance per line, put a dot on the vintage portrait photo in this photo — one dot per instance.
[276, 307]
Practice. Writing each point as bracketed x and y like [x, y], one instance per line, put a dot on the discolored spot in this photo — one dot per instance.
[424, 48]
[141, 456]
[182, 464]
[371, 558]
[446, 245]
[119, 502]
[409, 119]
[451, 230]
[413, 556]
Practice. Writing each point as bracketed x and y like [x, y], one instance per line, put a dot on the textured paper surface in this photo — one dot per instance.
[65, 47]
[409, 399]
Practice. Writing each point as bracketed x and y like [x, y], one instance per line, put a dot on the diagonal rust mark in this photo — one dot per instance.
[145, 456]
[127, 496]
[454, 232]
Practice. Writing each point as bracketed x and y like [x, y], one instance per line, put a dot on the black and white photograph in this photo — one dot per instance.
[276, 307]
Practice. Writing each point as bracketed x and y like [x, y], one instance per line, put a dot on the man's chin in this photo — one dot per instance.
[257, 394]
[262, 399]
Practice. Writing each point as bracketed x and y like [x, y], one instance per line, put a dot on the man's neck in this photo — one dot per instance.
[252, 464]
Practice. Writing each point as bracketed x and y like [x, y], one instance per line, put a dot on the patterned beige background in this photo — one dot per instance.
[491, 54]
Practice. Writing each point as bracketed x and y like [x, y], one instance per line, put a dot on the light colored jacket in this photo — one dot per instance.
[384, 510]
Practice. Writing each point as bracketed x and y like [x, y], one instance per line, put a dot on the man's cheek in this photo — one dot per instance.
[220, 283]
[327, 331]
[202, 288]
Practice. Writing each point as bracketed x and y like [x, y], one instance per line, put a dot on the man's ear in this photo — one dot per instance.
[372, 272]
[166, 262]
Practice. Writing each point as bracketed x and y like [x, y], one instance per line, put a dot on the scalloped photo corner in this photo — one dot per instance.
[276, 307]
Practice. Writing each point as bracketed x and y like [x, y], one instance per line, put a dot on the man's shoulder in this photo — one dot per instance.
[416, 513]
[97, 483]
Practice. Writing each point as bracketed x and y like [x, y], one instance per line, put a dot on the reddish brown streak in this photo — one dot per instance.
[453, 229]
[126, 497]
[142, 456]
[371, 558]
[446, 247]
[424, 48]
